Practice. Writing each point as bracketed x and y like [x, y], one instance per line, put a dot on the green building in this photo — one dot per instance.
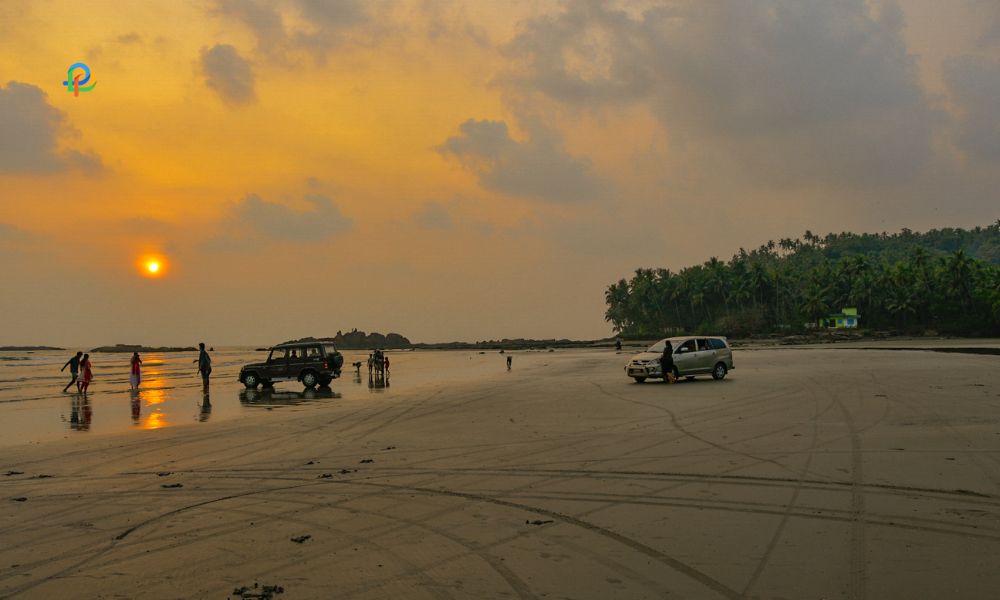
[847, 319]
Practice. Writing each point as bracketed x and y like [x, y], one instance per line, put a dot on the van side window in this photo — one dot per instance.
[717, 344]
[687, 346]
[702, 344]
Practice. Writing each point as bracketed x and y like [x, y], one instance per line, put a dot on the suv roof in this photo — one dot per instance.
[300, 344]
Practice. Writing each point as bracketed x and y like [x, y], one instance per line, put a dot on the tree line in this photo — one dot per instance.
[947, 280]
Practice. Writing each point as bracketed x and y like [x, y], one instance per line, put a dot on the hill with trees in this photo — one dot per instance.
[947, 280]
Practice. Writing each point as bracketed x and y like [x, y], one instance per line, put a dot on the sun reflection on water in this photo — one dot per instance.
[153, 394]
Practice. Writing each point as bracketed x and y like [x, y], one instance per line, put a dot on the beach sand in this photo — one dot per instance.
[808, 473]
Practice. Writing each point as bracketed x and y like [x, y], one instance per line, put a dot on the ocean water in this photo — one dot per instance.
[33, 407]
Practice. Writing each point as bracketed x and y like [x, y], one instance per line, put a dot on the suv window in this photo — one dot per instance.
[687, 346]
[277, 354]
[330, 350]
[313, 352]
[702, 344]
[717, 344]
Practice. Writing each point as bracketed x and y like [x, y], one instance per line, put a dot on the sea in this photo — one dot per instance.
[34, 409]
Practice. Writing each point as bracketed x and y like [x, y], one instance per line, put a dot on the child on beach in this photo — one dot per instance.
[134, 378]
[86, 376]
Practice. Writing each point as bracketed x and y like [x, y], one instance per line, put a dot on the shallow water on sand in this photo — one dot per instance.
[33, 407]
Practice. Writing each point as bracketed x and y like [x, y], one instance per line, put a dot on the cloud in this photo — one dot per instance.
[974, 84]
[30, 129]
[538, 167]
[254, 219]
[800, 90]
[12, 233]
[229, 74]
[129, 38]
[316, 26]
[433, 216]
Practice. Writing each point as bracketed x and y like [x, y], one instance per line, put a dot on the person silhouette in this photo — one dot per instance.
[74, 369]
[204, 364]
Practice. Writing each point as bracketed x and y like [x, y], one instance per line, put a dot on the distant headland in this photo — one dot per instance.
[359, 340]
[124, 348]
[27, 348]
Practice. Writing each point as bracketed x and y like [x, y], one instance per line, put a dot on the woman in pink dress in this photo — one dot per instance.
[134, 378]
[86, 374]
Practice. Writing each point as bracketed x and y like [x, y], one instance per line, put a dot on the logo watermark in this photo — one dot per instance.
[78, 83]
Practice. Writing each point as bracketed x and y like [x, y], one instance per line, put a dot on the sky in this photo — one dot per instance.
[459, 170]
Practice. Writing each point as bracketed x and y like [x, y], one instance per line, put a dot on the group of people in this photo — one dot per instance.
[378, 361]
[82, 373]
[79, 362]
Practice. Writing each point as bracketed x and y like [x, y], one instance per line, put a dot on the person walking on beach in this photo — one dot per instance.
[510, 359]
[134, 377]
[86, 374]
[667, 363]
[385, 365]
[74, 369]
[204, 363]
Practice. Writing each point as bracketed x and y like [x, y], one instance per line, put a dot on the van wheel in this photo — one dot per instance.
[719, 372]
[251, 381]
[640, 379]
[310, 379]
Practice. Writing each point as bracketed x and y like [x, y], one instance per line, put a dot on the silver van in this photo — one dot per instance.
[693, 355]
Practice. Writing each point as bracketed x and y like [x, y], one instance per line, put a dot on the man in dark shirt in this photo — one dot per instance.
[74, 369]
[204, 363]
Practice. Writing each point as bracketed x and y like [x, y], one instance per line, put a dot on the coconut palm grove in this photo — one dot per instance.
[945, 280]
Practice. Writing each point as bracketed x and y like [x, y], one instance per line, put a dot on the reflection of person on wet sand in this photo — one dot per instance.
[80, 413]
[206, 407]
[134, 378]
[74, 369]
[136, 411]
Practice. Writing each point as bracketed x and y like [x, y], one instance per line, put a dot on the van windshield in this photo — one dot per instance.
[658, 347]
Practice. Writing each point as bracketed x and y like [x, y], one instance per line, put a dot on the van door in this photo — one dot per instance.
[705, 357]
[685, 357]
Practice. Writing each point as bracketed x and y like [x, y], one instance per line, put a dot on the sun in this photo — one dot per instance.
[152, 266]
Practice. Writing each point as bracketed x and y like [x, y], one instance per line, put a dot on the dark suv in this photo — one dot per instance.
[312, 363]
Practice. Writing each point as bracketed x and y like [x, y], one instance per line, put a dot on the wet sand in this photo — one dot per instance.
[809, 473]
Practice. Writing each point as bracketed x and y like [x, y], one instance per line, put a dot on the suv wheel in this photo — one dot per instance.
[251, 381]
[310, 379]
[719, 372]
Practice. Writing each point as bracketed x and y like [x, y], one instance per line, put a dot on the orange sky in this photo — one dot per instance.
[458, 170]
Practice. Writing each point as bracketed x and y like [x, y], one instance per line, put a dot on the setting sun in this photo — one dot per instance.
[152, 265]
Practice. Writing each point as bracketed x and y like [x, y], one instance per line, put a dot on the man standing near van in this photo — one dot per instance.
[74, 369]
[204, 363]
